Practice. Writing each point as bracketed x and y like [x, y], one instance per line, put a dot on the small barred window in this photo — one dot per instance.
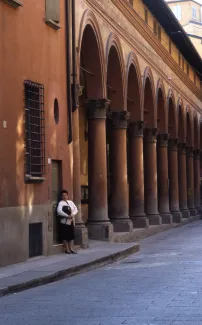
[34, 130]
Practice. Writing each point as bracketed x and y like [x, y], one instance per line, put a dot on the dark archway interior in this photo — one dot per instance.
[91, 80]
[90, 66]
[171, 120]
[148, 105]
[133, 107]
[133, 95]
[116, 96]
[161, 125]
[181, 131]
[196, 142]
[161, 118]
[115, 81]
[189, 131]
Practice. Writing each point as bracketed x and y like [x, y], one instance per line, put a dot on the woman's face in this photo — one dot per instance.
[65, 196]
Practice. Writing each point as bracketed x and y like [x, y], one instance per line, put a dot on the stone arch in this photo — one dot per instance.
[172, 120]
[91, 72]
[115, 73]
[196, 132]
[189, 128]
[133, 94]
[92, 59]
[162, 122]
[181, 121]
[149, 107]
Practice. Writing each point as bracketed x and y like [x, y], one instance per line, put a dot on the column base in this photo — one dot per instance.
[166, 218]
[140, 222]
[185, 213]
[81, 236]
[122, 225]
[100, 231]
[154, 219]
[199, 211]
[177, 216]
[193, 212]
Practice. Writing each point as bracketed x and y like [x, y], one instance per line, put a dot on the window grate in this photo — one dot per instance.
[34, 129]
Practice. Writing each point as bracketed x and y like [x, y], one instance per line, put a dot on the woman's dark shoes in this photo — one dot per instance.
[67, 252]
[73, 252]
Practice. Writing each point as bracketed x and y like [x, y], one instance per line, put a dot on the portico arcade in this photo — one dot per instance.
[137, 140]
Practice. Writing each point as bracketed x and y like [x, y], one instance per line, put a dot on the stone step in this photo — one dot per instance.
[141, 233]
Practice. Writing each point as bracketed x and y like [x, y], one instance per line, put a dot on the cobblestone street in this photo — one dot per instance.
[159, 285]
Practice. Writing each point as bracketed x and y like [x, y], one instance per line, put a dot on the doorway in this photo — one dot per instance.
[56, 187]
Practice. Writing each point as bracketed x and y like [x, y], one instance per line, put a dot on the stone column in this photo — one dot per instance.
[173, 180]
[118, 208]
[182, 176]
[136, 176]
[190, 182]
[150, 176]
[81, 232]
[99, 226]
[162, 164]
[197, 181]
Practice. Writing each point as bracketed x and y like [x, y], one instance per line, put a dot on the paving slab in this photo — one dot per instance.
[160, 285]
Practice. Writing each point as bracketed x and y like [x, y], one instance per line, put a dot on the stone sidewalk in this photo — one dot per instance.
[42, 270]
[38, 271]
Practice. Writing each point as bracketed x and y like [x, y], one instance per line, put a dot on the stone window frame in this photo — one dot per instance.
[14, 3]
[177, 10]
[194, 13]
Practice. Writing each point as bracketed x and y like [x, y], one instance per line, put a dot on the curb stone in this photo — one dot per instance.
[68, 272]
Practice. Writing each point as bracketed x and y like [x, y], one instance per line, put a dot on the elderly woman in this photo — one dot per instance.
[66, 210]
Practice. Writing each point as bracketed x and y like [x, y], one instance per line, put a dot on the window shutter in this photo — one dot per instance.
[53, 10]
[159, 32]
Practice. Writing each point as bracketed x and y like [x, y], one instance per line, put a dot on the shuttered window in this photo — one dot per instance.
[146, 16]
[53, 10]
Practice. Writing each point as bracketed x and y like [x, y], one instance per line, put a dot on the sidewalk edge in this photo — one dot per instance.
[55, 276]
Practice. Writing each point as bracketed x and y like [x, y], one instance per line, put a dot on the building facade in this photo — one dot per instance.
[127, 150]
[189, 15]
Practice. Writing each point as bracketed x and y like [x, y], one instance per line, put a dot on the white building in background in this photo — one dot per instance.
[189, 15]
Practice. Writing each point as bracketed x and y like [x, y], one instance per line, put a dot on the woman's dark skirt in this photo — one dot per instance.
[66, 232]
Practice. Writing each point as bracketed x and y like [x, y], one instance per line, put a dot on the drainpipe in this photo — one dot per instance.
[74, 72]
[68, 67]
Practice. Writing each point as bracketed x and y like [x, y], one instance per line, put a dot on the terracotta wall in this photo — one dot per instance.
[32, 50]
[29, 49]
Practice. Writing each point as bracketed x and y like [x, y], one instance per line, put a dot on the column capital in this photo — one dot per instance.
[163, 140]
[182, 148]
[150, 134]
[197, 154]
[97, 108]
[119, 119]
[173, 144]
[190, 151]
[137, 128]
